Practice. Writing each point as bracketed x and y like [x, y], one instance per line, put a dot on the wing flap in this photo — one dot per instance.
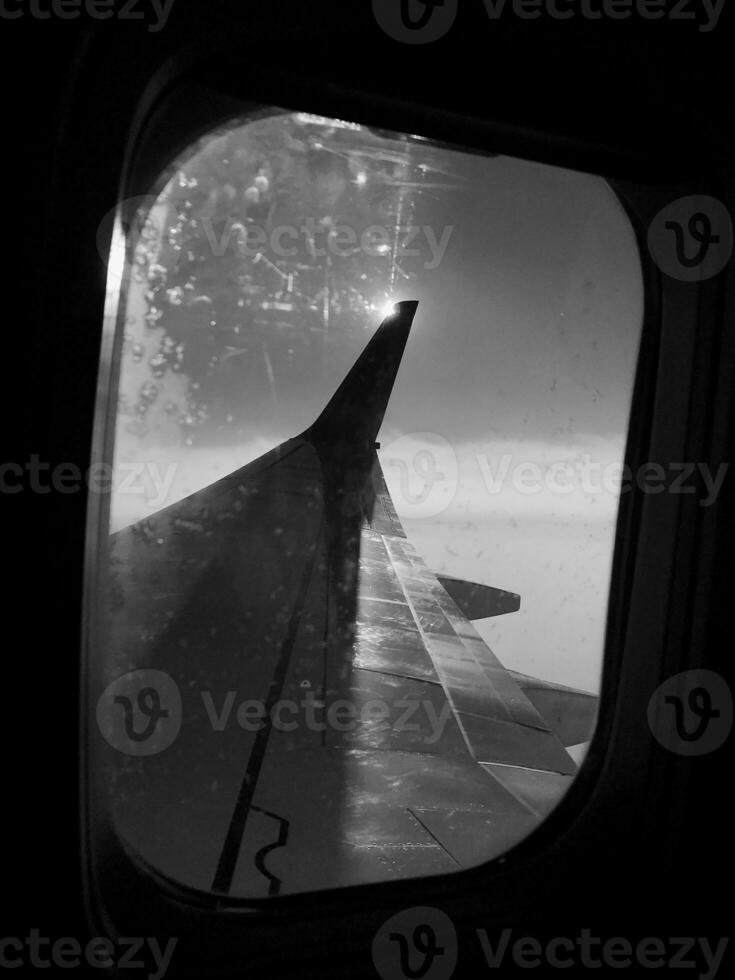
[498, 722]
[571, 713]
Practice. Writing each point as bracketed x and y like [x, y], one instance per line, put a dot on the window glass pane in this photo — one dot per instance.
[351, 660]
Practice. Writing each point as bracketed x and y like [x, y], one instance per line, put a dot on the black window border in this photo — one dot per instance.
[111, 877]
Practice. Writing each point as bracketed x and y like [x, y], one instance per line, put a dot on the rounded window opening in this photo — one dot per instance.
[373, 397]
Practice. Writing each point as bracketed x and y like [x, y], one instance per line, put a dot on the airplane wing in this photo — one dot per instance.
[341, 719]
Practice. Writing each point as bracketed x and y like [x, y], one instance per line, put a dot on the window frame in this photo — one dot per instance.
[675, 316]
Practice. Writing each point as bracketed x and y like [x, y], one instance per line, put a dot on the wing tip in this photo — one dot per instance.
[356, 410]
[405, 306]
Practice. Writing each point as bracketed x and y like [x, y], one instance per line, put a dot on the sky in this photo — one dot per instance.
[520, 364]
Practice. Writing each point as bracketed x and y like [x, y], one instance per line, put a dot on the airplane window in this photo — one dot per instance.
[368, 445]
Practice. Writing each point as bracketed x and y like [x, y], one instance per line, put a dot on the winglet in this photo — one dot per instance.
[355, 412]
[479, 601]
